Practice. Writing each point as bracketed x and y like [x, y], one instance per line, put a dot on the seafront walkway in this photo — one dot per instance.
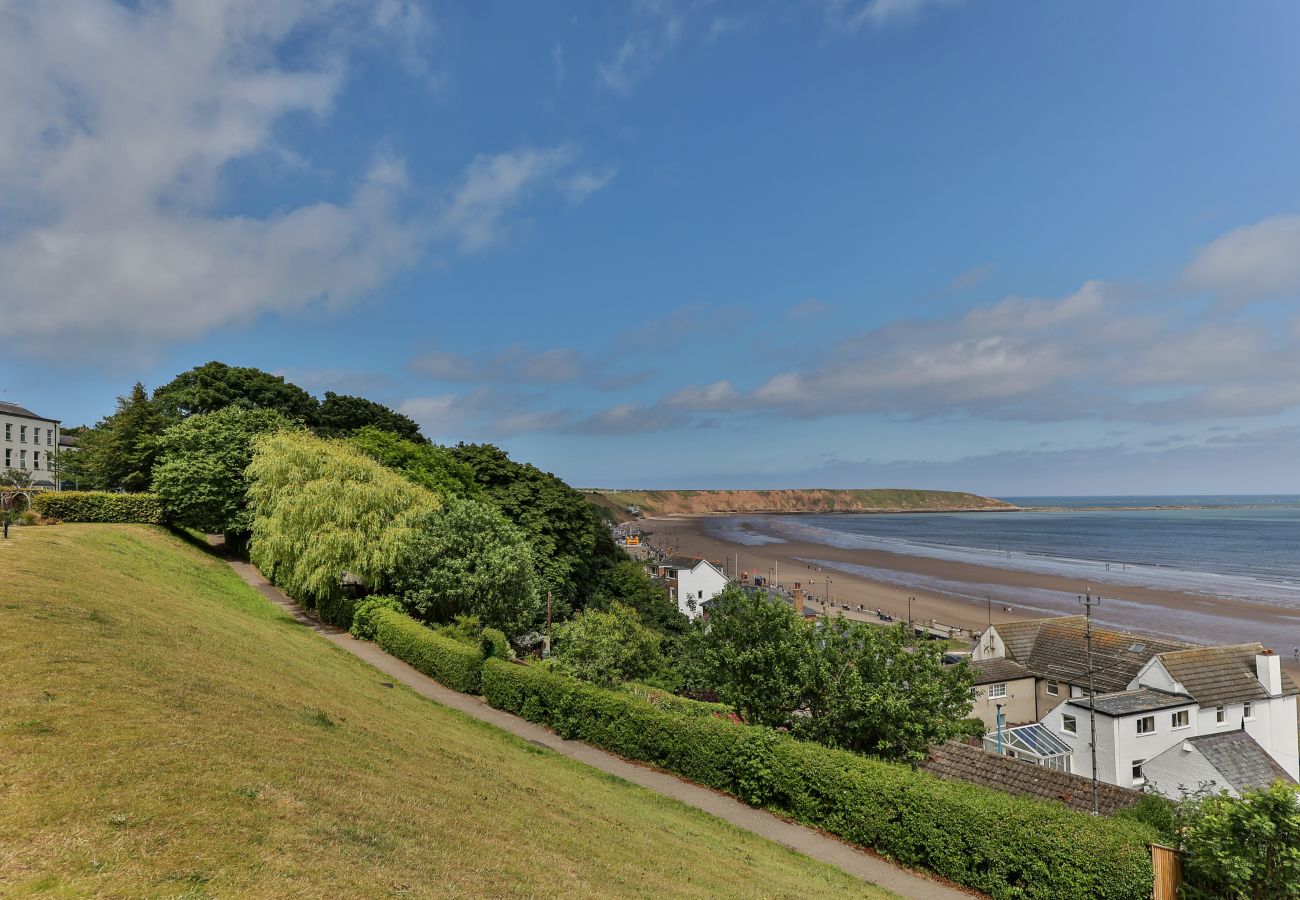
[807, 841]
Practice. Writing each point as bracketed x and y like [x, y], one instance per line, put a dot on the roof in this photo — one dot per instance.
[13, 409]
[1216, 675]
[1036, 739]
[1056, 649]
[680, 562]
[1127, 703]
[68, 440]
[987, 671]
[959, 762]
[1242, 762]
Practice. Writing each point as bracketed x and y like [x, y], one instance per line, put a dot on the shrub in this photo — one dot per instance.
[457, 665]
[100, 506]
[363, 616]
[1008, 847]
[495, 644]
[1243, 847]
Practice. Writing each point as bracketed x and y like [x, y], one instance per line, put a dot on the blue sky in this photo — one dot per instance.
[1010, 247]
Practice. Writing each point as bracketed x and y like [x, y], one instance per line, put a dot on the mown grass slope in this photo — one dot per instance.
[166, 732]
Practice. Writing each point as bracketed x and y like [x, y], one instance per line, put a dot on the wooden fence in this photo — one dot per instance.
[1168, 867]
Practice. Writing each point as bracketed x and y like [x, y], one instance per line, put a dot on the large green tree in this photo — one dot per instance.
[215, 385]
[340, 415]
[428, 465]
[881, 691]
[201, 471]
[607, 647]
[571, 544]
[119, 452]
[1245, 848]
[626, 582]
[467, 559]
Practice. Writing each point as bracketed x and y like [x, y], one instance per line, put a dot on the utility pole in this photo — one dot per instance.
[989, 597]
[547, 648]
[1089, 602]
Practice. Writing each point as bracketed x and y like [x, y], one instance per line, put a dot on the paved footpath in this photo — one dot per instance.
[805, 840]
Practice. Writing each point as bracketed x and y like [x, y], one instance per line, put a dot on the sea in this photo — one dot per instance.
[1242, 547]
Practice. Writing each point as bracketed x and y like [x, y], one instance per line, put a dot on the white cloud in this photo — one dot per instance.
[582, 185]
[1251, 262]
[516, 364]
[850, 15]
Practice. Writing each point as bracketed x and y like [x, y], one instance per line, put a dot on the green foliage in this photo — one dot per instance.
[881, 691]
[213, 386]
[1005, 846]
[340, 415]
[449, 662]
[1158, 813]
[201, 472]
[363, 616]
[322, 510]
[428, 465]
[627, 582]
[1245, 848]
[756, 654]
[570, 544]
[495, 644]
[607, 648]
[467, 559]
[100, 506]
[120, 451]
[15, 478]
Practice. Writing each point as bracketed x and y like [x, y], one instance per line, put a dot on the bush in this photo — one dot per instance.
[457, 665]
[1243, 847]
[100, 506]
[363, 616]
[495, 644]
[1008, 847]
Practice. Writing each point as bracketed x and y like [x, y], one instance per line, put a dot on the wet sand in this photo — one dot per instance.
[1191, 617]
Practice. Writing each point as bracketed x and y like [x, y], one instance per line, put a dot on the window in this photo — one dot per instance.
[22, 459]
[22, 434]
[1076, 691]
[1179, 719]
[9, 431]
[36, 459]
[1137, 770]
[1069, 724]
[1248, 710]
[9, 458]
[1220, 714]
[49, 437]
[997, 691]
[1146, 725]
[1053, 688]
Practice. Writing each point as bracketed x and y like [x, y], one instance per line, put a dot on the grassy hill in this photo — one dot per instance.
[164, 731]
[867, 500]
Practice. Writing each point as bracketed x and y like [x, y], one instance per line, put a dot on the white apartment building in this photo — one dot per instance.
[29, 443]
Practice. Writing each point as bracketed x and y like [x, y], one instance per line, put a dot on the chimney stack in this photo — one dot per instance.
[796, 597]
[1268, 668]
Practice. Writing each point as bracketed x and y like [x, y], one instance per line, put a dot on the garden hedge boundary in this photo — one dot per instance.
[100, 506]
[457, 665]
[1005, 846]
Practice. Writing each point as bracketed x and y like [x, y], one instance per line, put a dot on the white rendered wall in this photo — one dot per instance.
[699, 584]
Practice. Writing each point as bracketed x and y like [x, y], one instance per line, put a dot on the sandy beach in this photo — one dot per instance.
[1192, 617]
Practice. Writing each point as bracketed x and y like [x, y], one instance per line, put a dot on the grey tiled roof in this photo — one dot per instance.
[13, 409]
[1125, 703]
[959, 762]
[1056, 649]
[1215, 675]
[988, 671]
[1242, 762]
[681, 562]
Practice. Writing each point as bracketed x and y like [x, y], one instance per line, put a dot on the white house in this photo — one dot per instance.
[1179, 696]
[30, 443]
[691, 582]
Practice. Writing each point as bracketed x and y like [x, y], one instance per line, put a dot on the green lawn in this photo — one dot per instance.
[166, 732]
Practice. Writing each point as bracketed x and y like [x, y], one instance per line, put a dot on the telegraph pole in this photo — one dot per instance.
[1089, 601]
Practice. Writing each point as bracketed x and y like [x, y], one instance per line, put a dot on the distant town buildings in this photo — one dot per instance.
[30, 444]
[691, 582]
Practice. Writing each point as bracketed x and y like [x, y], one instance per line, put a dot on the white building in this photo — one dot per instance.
[29, 443]
[1179, 696]
[691, 582]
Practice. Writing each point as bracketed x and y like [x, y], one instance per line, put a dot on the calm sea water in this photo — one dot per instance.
[1242, 547]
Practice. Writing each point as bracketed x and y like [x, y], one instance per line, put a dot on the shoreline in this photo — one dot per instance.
[1192, 617]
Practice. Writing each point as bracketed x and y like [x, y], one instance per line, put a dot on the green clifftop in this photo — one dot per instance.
[809, 500]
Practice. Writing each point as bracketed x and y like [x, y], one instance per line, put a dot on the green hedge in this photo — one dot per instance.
[457, 665]
[100, 506]
[1008, 847]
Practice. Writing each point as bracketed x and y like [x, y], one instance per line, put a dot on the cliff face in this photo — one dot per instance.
[877, 500]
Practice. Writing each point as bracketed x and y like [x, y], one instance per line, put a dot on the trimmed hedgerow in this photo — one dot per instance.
[1008, 847]
[452, 663]
[100, 506]
[495, 643]
[363, 615]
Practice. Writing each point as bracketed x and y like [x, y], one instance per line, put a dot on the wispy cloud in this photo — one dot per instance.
[1251, 263]
[851, 15]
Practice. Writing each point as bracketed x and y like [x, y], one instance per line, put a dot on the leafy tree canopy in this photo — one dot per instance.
[200, 473]
[341, 415]
[215, 385]
[626, 582]
[119, 452]
[571, 545]
[428, 465]
[607, 647]
[467, 559]
[1246, 848]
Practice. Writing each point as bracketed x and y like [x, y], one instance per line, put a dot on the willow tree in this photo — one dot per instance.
[322, 510]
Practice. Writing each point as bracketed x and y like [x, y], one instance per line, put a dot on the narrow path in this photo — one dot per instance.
[797, 837]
